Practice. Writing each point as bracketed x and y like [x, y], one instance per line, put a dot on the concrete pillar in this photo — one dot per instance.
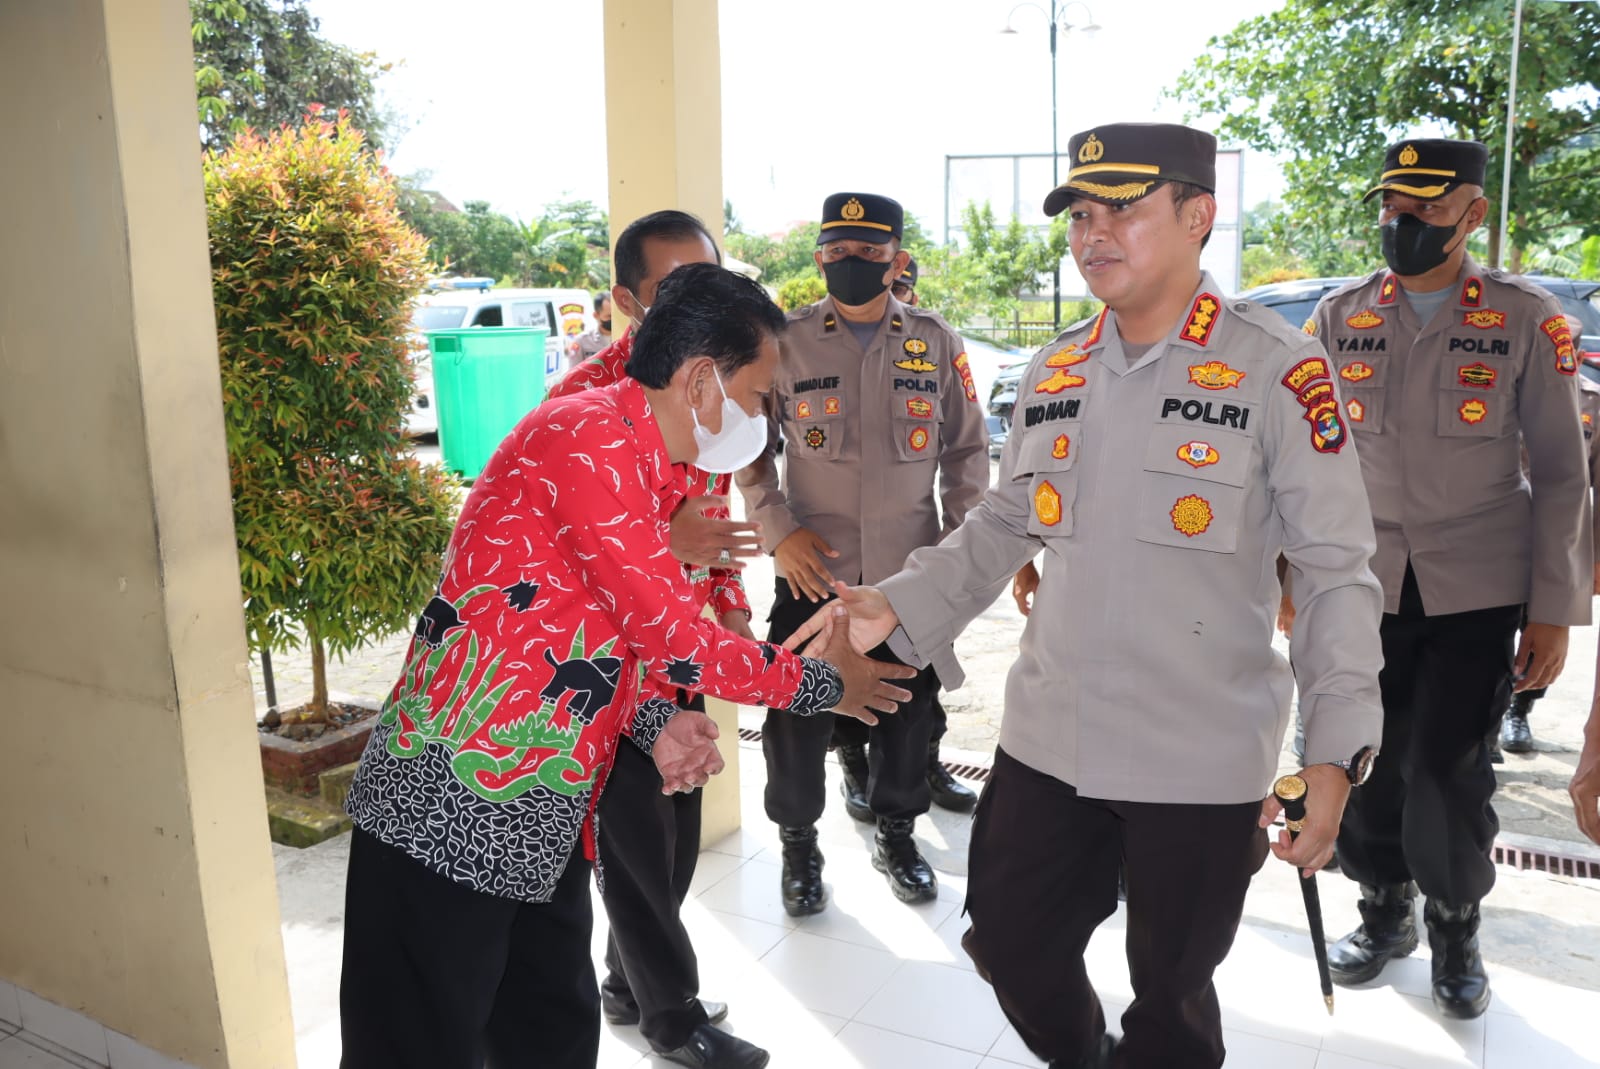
[664, 150]
[136, 878]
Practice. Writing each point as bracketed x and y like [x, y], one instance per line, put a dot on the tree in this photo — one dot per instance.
[1331, 85]
[259, 65]
[339, 529]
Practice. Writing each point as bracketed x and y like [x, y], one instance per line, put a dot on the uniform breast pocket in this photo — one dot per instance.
[1047, 462]
[914, 417]
[1192, 487]
[1362, 382]
[1474, 396]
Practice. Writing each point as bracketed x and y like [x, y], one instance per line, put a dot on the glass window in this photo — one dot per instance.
[490, 315]
[439, 316]
[531, 314]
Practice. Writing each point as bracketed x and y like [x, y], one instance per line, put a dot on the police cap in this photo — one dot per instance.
[860, 217]
[908, 277]
[1429, 168]
[1121, 162]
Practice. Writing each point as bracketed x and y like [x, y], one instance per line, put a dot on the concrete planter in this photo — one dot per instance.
[294, 767]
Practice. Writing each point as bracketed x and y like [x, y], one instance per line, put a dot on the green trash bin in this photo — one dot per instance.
[485, 379]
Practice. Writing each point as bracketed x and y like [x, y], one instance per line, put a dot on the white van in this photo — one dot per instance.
[470, 302]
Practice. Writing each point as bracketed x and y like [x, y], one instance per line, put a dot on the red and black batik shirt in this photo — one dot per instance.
[559, 595]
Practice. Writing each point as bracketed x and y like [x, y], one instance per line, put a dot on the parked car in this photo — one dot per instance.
[472, 302]
[998, 432]
[1296, 300]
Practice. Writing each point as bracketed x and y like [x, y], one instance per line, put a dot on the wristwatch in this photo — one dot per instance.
[1359, 766]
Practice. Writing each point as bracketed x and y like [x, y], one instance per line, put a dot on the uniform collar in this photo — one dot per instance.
[829, 322]
[1195, 331]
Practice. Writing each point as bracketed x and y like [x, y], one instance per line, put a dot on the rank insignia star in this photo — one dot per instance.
[1202, 318]
[683, 673]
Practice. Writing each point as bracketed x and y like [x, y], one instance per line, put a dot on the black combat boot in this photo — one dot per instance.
[853, 785]
[910, 877]
[803, 892]
[948, 792]
[1515, 734]
[1388, 930]
[1460, 986]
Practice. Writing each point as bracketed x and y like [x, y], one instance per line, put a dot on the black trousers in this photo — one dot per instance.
[1425, 813]
[795, 746]
[1043, 875]
[649, 845]
[848, 731]
[439, 976]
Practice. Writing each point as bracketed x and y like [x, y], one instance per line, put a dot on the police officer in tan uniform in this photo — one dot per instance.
[875, 401]
[850, 736]
[1447, 369]
[1162, 455]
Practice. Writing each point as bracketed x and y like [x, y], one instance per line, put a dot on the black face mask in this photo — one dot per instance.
[605, 325]
[854, 281]
[1412, 247]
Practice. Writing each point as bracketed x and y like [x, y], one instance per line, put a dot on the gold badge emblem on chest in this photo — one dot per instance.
[1215, 375]
[1191, 515]
[1047, 504]
[1198, 454]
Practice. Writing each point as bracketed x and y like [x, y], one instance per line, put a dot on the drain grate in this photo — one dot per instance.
[1508, 850]
[1544, 859]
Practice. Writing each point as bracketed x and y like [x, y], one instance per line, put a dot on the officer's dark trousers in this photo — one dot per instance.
[439, 976]
[649, 844]
[848, 731]
[795, 746]
[1425, 813]
[1043, 866]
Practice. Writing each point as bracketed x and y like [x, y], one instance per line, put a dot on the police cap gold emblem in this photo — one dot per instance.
[1120, 163]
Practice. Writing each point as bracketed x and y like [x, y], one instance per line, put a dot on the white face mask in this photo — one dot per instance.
[740, 441]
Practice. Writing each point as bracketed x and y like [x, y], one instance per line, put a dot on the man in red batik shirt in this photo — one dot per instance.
[652, 843]
[467, 918]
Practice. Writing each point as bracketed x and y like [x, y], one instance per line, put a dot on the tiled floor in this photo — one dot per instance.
[876, 984]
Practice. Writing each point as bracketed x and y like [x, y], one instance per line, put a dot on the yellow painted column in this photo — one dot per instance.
[136, 876]
[664, 150]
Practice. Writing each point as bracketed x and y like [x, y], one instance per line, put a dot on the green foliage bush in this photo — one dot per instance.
[800, 291]
[339, 530]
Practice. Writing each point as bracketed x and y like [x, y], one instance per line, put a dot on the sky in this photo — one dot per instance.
[503, 100]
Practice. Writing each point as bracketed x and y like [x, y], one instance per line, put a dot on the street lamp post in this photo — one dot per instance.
[1058, 20]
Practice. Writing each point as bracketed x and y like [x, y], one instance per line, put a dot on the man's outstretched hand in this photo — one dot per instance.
[872, 620]
[686, 752]
[866, 687]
